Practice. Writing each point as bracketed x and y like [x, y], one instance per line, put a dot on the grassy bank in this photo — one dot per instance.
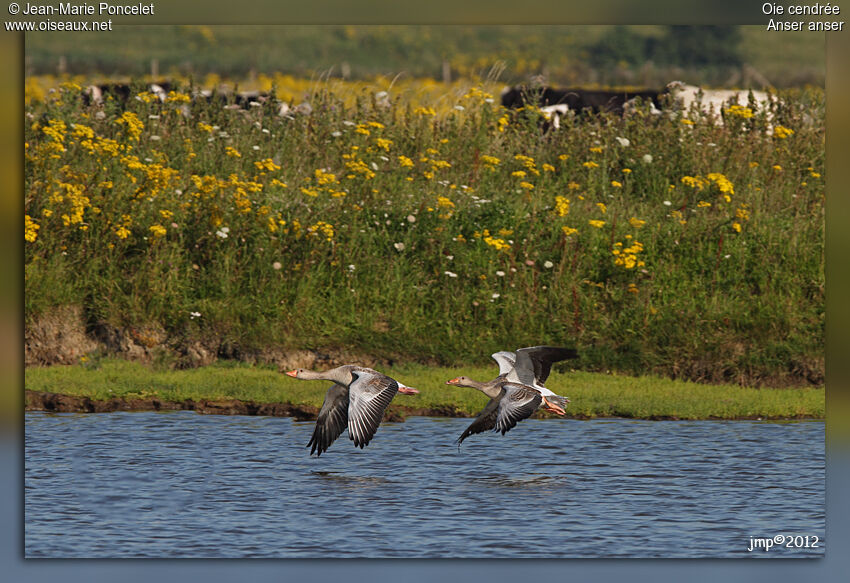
[592, 395]
[438, 227]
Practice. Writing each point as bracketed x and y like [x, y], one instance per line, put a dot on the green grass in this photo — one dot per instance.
[592, 395]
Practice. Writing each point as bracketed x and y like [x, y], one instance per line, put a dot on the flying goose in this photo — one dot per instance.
[531, 366]
[356, 401]
[509, 403]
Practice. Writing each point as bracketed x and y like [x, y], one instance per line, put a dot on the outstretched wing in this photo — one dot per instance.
[534, 363]
[485, 421]
[332, 420]
[370, 394]
[506, 361]
[518, 403]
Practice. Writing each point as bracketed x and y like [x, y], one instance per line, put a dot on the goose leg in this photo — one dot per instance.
[552, 407]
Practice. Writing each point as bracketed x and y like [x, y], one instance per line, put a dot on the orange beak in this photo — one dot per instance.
[292, 373]
[453, 381]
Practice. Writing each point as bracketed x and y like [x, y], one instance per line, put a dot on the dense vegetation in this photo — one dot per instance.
[437, 226]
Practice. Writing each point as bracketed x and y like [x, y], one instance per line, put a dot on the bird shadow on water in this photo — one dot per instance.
[525, 482]
[349, 480]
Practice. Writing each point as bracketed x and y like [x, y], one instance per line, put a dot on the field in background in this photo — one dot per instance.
[649, 56]
[435, 227]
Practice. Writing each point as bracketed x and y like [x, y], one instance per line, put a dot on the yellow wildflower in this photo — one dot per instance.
[30, 229]
[443, 202]
[590, 164]
[739, 111]
[157, 230]
[781, 132]
[405, 162]
[133, 124]
[232, 152]
[499, 244]
[526, 185]
[266, 164]
[602, 207]
[616, 184]
[569, 231]
[595, 223]
[636, 222]
[562, 206]
[723, 183]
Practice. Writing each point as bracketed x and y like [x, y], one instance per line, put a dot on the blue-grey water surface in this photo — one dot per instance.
[180, 484]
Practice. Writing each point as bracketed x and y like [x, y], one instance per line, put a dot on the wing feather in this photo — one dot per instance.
[534, 363]
[485, 421]
[332, 419]
[518, 403]
[369, 396]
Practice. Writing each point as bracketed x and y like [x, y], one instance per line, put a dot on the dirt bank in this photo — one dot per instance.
[59, 403]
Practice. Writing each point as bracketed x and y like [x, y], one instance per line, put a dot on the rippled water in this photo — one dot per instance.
[180, 484]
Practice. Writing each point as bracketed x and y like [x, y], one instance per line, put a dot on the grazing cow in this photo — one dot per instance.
[579, 100]
[714, 101]
[555, 103]
[121, 92]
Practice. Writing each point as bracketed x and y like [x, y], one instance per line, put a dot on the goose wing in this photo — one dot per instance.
[370, 394]
[506, 361]
[518, 403]
[485, 421]
[534, 363]
[332, 420]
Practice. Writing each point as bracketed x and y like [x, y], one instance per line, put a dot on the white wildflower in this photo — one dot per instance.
[647, 158]
[450, 274]
[548, 265]
[624, 142]
[222, 232]
[276, 265]
[399, 246]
